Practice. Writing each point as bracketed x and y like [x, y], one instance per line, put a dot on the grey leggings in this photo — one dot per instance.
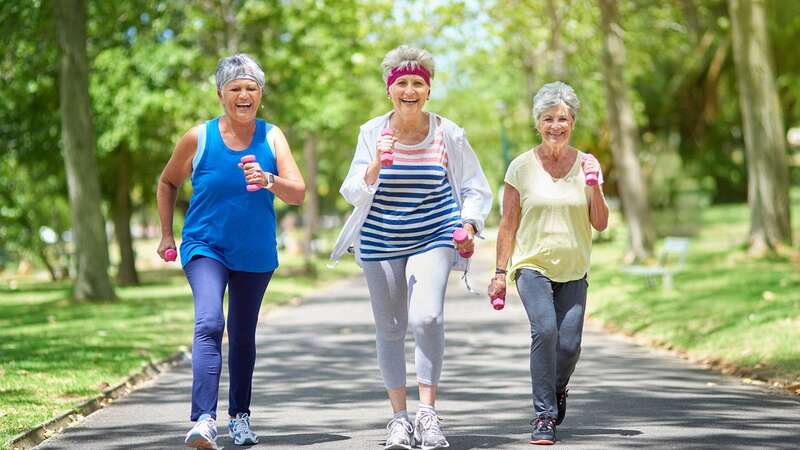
[555, 311]
[411, 291]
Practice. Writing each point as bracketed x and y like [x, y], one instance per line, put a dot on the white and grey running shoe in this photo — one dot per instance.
[400, 434]
[239, 430]
[427, 431]
[203, 434]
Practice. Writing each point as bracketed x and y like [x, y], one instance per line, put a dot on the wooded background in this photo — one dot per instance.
[685, 103]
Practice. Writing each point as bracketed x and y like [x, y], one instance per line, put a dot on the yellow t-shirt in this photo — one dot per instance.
[554, 235]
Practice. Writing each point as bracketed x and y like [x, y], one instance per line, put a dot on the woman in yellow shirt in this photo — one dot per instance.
[553, 196]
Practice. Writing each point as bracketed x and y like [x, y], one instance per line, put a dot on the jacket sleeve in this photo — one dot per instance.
[475, 192]
[354, 189]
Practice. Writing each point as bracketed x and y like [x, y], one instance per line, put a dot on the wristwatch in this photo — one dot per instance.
[270, 180]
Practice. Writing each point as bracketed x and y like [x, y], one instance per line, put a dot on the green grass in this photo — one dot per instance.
[55, 353]
[726, 308]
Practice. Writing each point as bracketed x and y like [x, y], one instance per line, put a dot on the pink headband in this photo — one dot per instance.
[398, 72]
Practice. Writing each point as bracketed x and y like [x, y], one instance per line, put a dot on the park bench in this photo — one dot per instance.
[671, 259]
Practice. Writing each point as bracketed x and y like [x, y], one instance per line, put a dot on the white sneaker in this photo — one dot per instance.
[239, 430]
[427, 431]
[400, 434]
[203, 434]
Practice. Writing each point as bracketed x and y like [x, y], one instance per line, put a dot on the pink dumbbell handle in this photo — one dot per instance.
[498, 302]
[387, 159]
[170, 254]
[591, 177]
[460, 235]
[252, 187]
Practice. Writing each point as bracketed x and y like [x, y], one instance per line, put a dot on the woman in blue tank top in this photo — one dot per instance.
[228, 238]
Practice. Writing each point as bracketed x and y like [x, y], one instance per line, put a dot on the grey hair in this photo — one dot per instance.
[554, 94]
[405, 56]
[237, 67]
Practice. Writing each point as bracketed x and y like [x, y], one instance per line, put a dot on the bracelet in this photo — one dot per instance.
[499, 271]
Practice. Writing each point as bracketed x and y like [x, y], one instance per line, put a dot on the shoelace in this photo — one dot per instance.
[241, 424]
[208, 431]
[403, 422]
[548, 424]
[430, 423]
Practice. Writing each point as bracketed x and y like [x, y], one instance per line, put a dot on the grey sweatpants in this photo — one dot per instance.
[555, 311]
[409, 291]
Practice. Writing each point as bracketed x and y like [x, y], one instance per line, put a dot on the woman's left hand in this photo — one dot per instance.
[590, 164]
[253, 173]
[467, 246]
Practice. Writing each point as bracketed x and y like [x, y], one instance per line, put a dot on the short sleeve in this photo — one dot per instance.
[513, 173]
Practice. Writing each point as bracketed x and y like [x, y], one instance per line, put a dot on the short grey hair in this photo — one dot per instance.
[237, 67]
[405, 56]
[554, 94]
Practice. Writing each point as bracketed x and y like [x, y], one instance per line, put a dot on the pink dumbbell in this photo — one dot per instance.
[170, 254]
[386, 157]
[248, 159]
[498, 302]
[460, 235]
[591, 177]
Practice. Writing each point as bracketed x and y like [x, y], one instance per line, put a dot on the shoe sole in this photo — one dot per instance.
[201, 443]
[399, 447]
[246, 441]
[541, 442]
[435, 447]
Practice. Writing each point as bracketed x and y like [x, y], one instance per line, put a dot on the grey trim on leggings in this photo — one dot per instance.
[405, 291]
[555, 312]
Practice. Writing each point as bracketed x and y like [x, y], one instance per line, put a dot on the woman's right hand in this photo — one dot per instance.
[167, 242]
[497, 287]
[385, 144]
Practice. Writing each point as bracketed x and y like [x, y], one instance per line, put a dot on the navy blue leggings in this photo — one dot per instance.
[208, 279]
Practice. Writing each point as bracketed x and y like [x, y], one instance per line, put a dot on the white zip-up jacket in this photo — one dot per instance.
[472, 192]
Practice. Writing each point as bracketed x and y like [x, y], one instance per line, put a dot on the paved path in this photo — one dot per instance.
[317, 386]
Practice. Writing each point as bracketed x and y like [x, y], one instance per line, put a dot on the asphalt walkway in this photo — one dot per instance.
[317, 386]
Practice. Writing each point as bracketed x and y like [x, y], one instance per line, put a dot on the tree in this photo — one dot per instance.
[624, 136]
[767, 164]
[89, 237]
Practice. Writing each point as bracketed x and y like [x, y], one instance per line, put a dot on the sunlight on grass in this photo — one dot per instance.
[724, 306]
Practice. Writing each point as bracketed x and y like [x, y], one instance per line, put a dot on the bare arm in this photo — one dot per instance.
[175, 172]
[598, 208]
[289, 185]
[506, 236]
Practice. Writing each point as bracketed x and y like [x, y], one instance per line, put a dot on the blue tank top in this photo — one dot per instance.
[225, 221]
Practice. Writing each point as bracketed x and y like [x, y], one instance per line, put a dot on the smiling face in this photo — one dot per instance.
[556, 124]
[409, 94]
[240, 99]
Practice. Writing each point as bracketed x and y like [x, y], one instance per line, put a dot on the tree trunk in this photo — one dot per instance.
[121, 210]
[624, 137]
[767, 163]
[558, 65]
[311, 205]
[89, 236]
[229, 9]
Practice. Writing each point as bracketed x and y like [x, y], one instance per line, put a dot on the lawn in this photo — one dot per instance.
[735, 312]
[55, 353]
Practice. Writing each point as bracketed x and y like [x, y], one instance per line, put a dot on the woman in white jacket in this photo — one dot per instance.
[401, 231]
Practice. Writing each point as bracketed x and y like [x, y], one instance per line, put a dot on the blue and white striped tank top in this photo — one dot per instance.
[413, 210]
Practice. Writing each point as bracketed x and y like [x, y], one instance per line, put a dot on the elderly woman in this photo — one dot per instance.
[550, 204]
[402, 233]
[228, 238]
